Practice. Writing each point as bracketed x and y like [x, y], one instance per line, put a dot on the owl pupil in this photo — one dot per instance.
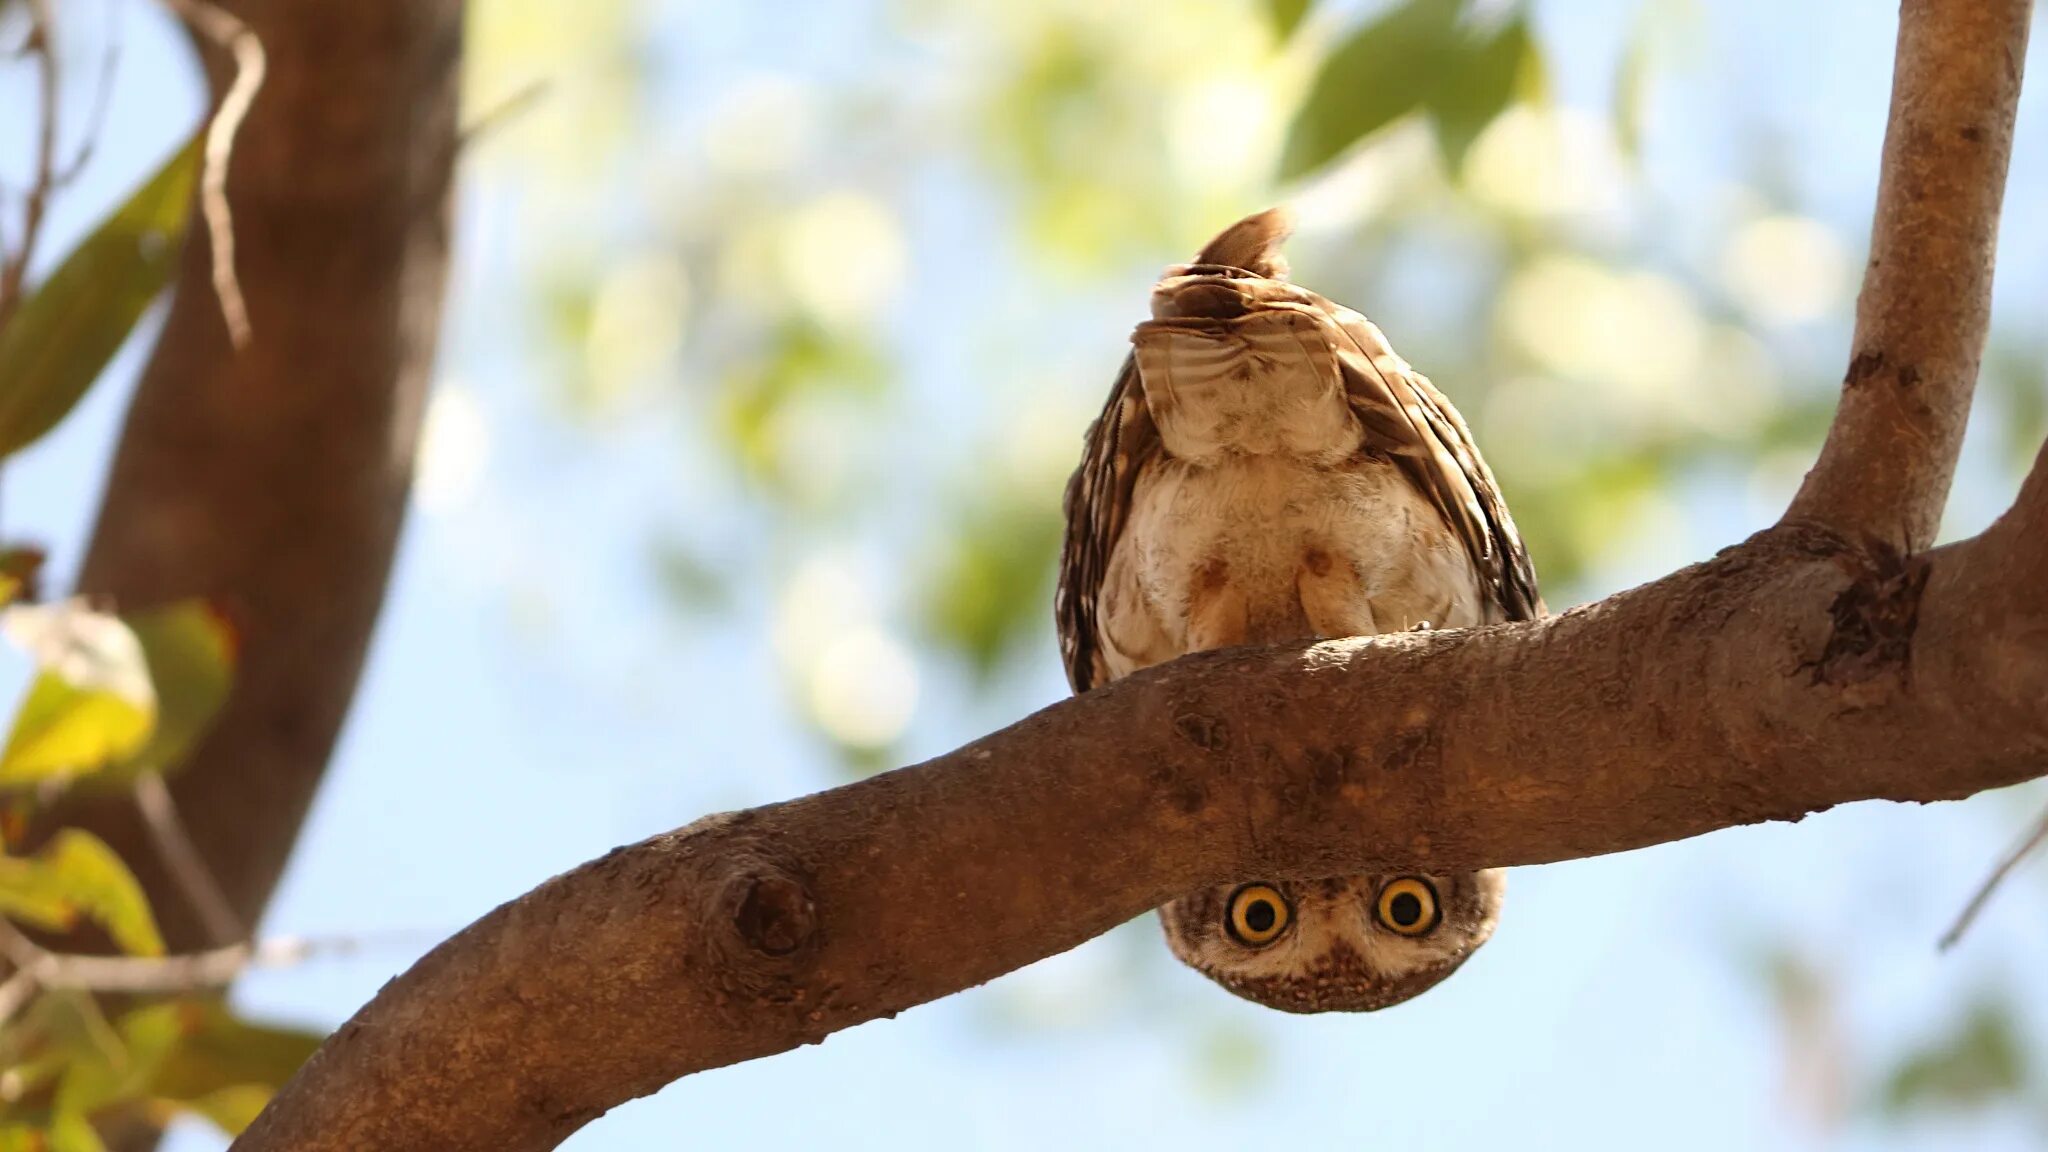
[1405, 909]
[1260, 916]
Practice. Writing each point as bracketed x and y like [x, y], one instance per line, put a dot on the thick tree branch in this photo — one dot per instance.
[1926, 301]
[1788, 675]
[1821, 662]
[274, 479]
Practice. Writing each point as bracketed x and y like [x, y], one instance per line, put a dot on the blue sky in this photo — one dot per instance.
[1617, 1006]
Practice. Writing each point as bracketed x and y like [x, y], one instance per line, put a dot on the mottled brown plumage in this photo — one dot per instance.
[1267, 469]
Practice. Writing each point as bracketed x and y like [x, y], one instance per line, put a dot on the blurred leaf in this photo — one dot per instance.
[179, 1056]
[1382, 71]
[1230, 1061]
[2018, 375]
[1476, 83]
[132, 694]
[1286, 16]
[72, 1133]
[993, 580]
[61, 1034]
[1414, 56]
[190, 649]
[1982, 1061]
[690, 581]
[76, 875]
[65, 332]
[90, 704]
[219, 1051]
[232, 1108]
[64, 730]
[802, 362]
[91, 1084]
[65, 1134]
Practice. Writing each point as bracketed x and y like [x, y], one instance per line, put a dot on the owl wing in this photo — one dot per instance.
[1406, 418]
[1120, 444]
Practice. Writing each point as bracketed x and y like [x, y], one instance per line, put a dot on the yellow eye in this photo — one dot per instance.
[1258, 915]
[1408, 906]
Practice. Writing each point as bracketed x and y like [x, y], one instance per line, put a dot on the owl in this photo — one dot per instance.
[1267, 470]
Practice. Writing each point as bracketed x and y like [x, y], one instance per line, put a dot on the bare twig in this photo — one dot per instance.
[14, 265]
[2025, 848]
[182, 860]
[187, 972]
[495, 117]
[228, 31]
[103, 95]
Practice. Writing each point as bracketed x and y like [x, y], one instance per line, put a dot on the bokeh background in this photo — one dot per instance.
[773, 332]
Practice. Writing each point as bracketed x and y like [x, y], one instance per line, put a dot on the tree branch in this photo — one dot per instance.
[1926, 303]
[1823, 661]
[1746, 681]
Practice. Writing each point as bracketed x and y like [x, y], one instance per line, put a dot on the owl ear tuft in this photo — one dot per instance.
[1253, 244]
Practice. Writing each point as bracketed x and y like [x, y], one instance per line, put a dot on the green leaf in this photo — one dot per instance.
[65, 333]
[225, 1068]
[1984, 1060]
[23, 1138]
[232, 1108]
[73, 1133]
[190, 649]
[77, 876]
[1478, 81]
[1285, 16]
[1383, 71]
[986, 592]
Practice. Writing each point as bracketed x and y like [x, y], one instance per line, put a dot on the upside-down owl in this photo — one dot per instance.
[1268, 470]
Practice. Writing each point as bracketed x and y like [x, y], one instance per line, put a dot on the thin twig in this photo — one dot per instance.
[185, 972]
[103, 95]
[494, 117]
[14, 266]
[174, 846]
[2034, 839]
[229, 32]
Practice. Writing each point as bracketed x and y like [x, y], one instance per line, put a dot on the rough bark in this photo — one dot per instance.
[1820, 662]
[274, 479]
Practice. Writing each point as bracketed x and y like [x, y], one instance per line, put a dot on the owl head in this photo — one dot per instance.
[1346, 944]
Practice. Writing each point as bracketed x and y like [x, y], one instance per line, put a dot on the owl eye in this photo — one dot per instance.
[1257, 915]
[1408, 906]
